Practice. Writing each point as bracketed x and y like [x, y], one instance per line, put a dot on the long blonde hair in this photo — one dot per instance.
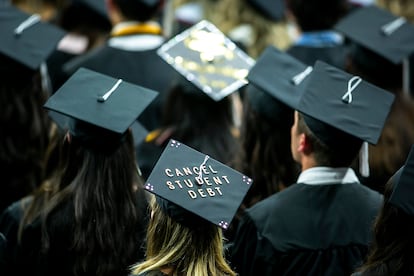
[187, 251]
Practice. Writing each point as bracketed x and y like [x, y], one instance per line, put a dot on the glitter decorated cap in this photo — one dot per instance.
[26, 39]
[206, 57]
[191, 183]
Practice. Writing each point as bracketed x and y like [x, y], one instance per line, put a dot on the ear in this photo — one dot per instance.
[68, 137]
[304, 146]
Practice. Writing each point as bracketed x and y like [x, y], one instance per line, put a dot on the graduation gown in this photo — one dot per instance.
[129, 58]
[307, 230]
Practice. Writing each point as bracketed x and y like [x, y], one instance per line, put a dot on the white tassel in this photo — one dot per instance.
[364, 160]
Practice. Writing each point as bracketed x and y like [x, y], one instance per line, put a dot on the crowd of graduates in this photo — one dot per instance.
[231, 137]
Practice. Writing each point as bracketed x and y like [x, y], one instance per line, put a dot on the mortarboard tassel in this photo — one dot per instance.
[364, 160]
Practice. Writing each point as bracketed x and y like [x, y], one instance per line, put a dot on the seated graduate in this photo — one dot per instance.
[25, 127]
[321, 224]
[265, 132]
[199, 109]
[381, 46]
[195, 198]
[391, 250]
[95, 224]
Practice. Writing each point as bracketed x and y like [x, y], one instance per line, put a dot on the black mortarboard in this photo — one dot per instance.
[101, 106]
[190, 182]
[403, 186]
[25, 38]
[206, 57]
[340, 106]
[380, 31]
[280, 75]
[272, 9]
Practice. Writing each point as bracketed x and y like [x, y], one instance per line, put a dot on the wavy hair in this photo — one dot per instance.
[391, 252]
[97, 193]
[187, 251]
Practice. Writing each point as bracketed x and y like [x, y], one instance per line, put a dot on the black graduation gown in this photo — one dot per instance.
[3, 243]
[60, 258]
[143, 67]
[307, 230]
[335, 55]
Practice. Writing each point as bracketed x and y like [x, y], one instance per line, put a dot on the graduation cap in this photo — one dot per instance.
[275, 72]
[206, 57]
[403, 186]
[189, 184]
[96, 5]
[376, 29]
[272, 9]
[25, 38]
[280, 75]
[99, 108]
[340, 107]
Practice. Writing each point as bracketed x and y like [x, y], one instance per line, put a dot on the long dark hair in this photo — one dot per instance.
[98, 198]
[266, 155]
[25, 128]
[201, 122]
[392, 250]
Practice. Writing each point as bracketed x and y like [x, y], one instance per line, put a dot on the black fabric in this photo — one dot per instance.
[60, 258]
[335, 56]
[307, 230]
[144, 68]
[9, 225]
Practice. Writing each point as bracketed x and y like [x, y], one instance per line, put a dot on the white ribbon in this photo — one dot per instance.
[109, 93]
[352, 85]
[391, 27]
[200, 173]
[301, 76]
[31, 20]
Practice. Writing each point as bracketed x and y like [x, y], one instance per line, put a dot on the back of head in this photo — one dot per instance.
[316, 15]
[332, 147]
[391, 251]
[139, 10]
[186, 250]
[200, 121]
[375, 68]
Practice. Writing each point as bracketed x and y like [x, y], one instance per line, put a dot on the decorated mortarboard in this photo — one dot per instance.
[97, 104]
[345, 102]
[280, 75]
[380, 31]
[25, 38]
[403, 186]
[272, 9]
[206, 57]
[190, 182]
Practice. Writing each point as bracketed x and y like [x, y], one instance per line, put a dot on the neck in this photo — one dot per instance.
[308, 162]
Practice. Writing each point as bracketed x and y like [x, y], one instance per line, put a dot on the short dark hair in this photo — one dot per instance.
[325, 155]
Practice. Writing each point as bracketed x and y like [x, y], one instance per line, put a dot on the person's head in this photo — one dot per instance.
[138, 10]
[196, 195]
[305, 143]
[391, 250]
[317, 15]
[182, 249]
[265, 139]
[23, 91]
[49, 10]
[380, 49]
[200, 121]
[98, 173]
